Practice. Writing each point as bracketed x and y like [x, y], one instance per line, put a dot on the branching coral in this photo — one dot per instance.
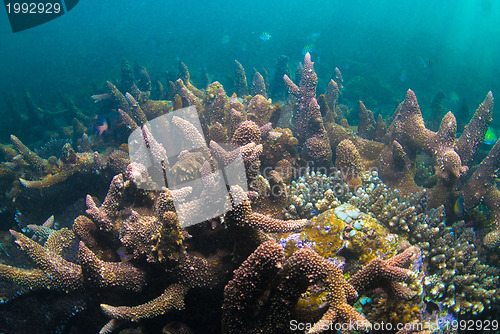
[172, 298]
[265, 288]
[309, 123]
[155, 242]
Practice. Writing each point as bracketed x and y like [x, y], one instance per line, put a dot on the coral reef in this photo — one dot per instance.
[329, 223]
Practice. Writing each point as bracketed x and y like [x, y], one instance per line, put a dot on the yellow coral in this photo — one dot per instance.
[327, 234]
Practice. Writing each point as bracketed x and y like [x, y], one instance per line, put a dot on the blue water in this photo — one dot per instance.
[423, 45]
[382, 47]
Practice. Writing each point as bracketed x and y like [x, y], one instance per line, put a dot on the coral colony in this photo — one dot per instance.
[328, 225]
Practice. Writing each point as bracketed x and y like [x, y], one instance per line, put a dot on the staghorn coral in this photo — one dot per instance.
[105, 214]
[150, 233]
[332, 94]
[54, 273]
[258, 85]
[367, 125]
[65, 175]
[481, 188]
[172, 264]
[279, 144]
[172, 298]
[37, 163]
[387, 274]
[408, 129]
[241, 86]
[474, 132]
[309, 123]
[492, 198]
[81, 163]
[348, 160]
[138, 232]
[251, 281]
[101, 274]
[267, 286]
[242, 214]
[136, 103]
[216, 104]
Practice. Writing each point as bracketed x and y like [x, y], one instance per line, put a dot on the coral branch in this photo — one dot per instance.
[242, 214]
[386, 274]
[63, 275]
[28, 155]
[473, 135]
[103, 274]
[109, 208]
[479, 183]
[241, 80]
[249, 283]
[258, 85]
[172, 298]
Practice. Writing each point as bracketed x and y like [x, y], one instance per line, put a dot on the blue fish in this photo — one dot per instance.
[308, 49]
[265, 36]
[491, 137]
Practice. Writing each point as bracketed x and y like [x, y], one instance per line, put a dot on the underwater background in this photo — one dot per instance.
[413, 185]
[430, 46]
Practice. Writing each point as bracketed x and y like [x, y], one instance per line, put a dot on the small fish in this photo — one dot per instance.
[426, 63]
[308, 49]
[365, 300]
[108, 123]
[235, 98]
[454, 97]
[3, 250]
[403, 75]
[225, 39]
[265, 36]
[123, 254]
[100, 97]
[459, 207]
[101, 126]
[4, 237]
[491, 137]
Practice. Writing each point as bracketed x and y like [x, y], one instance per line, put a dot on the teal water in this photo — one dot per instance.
[427, 46]
[446, 51]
